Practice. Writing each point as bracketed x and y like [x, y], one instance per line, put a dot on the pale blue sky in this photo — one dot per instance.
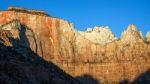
[117, 14]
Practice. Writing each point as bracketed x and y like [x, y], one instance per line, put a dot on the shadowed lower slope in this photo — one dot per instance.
[20, 65]
[18, 69]
[32, 69]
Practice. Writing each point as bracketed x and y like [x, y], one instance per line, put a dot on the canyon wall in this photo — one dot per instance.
[95, 52]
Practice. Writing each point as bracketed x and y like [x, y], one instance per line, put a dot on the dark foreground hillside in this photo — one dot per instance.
[30, 69]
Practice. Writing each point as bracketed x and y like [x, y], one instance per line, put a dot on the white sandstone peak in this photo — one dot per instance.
[89, 30]
[99, 34]
[131, 35]
[132, 27]
[101, 28]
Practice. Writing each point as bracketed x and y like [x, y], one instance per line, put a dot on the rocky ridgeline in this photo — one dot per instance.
[95, 52]
[131, 35]
[101, 35]
[18, 9]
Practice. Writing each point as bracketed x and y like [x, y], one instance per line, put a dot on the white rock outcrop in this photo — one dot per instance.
[131, 35]
[101, 35]
[89, 30]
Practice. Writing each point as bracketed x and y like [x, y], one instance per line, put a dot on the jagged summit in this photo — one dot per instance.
[131, 35]
[97, 29]
[132, 27]
[99, 34]
[148, 36]
[57, 41]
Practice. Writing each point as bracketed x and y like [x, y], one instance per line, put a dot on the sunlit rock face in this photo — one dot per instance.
[19, 32]
[4, 37]
[18, 68]
[95, 52]
[47, 36]
[101, 35]
[131, 35]
[148, 36]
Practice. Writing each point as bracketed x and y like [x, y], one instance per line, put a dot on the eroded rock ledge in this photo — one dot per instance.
[95, 52]
[18, 9]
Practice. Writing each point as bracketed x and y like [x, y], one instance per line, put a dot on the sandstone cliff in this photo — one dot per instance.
[78, 53]
[148, 36]
[18, 68]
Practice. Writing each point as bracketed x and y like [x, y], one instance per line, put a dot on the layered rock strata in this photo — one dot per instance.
[18, 68]
[39, 12]
[78, 53]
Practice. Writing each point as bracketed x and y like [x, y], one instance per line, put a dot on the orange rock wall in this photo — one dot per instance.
[57, 40]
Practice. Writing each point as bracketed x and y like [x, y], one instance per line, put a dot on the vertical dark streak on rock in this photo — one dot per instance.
[41, 49]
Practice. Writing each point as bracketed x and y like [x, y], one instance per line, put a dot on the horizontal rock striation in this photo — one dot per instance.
[15, 68]
[95, 52]
[18, 9]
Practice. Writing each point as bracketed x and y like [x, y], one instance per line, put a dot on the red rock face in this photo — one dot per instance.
[46, 30]
[56, 40]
